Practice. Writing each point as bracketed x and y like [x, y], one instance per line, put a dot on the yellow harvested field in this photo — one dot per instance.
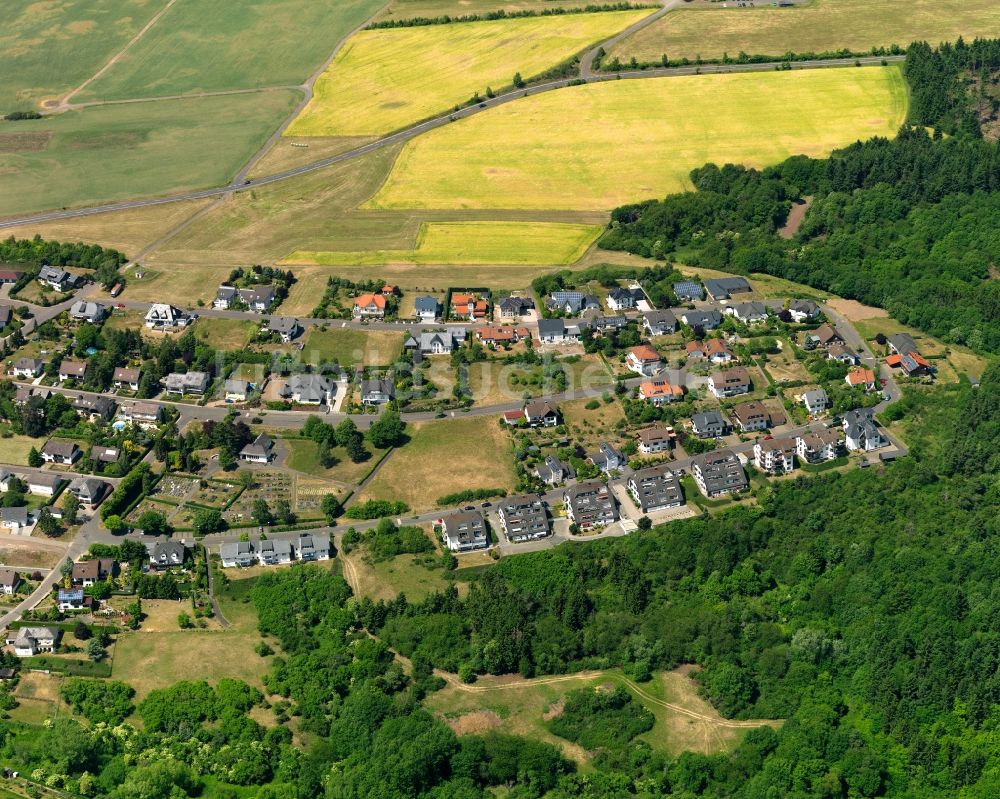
[597, 146]
[517, 243]
[383, 80]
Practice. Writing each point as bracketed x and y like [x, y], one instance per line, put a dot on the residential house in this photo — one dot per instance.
[775, 455]
[89, 490]
[31, 641]
[861, 377]
[271, 553]
[706, 320]
[730, 382]
[378, 391]
[25, 393]
[468, 306]
[748, 312]
[312, 547]
[826, 336]
[5, 315]
[87, 311]
[258, 299]
[260, 450]
[286, 327]
[513, 307]
[162, 316]
[56, 278]
[102, 454]
[441, 342]
[523, 518]
[714, 350]
[709, 424]
[236, 390]
[803, 310]
[553, 471]
[688, 291]
[146, 415]
[166, 555]
[643, 360]
[590, 504]
[16, 519]
[841, 352]
[237, 553]
[540, 413]
[308, 389]
[815, 400]
[225, 296]
[622, 299]
[655, 488]
[818, 447]
[655, 439]
[369, 306]
[724, 288]
[572, 302]
[464, 531]
[901, 344]
[659, 323]
[87, 572]
[72, 370]
[44, 484]
[389, 290]
[427, 309]
[10, 276]
[95, 407]
[64, 452]
[127, 378]
[10, 580]
[27, 367]
[182, 383]
[607, 458]
[912, 364]
[70, 599]
[557, 331]
[659, 392]
[718, 472]
[752, 416]
[861, 432]
[499, 336]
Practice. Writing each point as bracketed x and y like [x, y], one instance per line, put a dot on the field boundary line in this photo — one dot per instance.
[191, 96]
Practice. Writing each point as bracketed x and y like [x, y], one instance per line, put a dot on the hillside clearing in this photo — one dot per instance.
[598, 146]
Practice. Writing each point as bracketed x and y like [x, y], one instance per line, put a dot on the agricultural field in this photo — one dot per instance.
[384, 80]
[82, 35]
[113, 152]
[518, 243]
[207, 46]
[816, 27]
[630, 140]
[471, 452]
[410, 9]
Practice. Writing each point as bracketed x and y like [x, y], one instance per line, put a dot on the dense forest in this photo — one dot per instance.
[907, 224]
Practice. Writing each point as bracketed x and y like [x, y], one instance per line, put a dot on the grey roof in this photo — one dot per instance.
[720, 470]
[237, 386]
[608, 322]
[99, 405]
[167, 551]
[310, 387]
[5, 314]
[659, 319]
[9, 578]
[467, 527]
[745, 309]
[225, 293]
[706, 319]
[721, 288]
[86, 309]
[515, 304]
[45, 480]
[688, 289]
[426, 303]
[53, 273]
[60, 449]
[381, 385]
[285, 325]
[29, 363]
[260, 446]
[19, 515]
[655, 487]
[87, 487]
[807, 307]
[903, 343]
[706, 419]
[551, 327]
[524, 515]
[814, 395]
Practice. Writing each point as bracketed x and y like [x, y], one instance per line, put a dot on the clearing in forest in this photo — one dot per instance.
[816, 27]
[519, 243]
[597, 146]
[383, 80]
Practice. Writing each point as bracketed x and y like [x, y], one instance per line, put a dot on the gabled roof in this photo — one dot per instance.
[860, 377]
[364, 300]
[645, 354]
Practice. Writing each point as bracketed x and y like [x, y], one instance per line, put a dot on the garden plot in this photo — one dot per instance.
[270, 486]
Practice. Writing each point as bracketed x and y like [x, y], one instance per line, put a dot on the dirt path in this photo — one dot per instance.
[63, 103]
[351, 575]
[795, 218]
[189, 96]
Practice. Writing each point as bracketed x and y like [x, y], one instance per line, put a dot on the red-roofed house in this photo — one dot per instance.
[660, 391]
[369, 306]
[861, 377]
[644, 360]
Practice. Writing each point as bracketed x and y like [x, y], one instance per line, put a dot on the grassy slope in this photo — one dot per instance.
[822, 25]
[114, 152]
[602, 145]
[48, 48]
[475, 243]
[383, 80]
[205, 45]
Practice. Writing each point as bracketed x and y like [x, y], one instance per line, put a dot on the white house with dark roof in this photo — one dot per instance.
[27, 367]
[163, 316]
[286, 327]
[260, 450]
[31, 641]
[655, 488]
[63, 452]
[308, 389]
[427, 308]
[125, 378]
[56, 278]
[87, 311]
[464, 531]
[237, 390]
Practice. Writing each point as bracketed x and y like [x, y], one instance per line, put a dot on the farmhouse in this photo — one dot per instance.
[369, 306]
[523, 518]
[659, 392]
[236, 390]
[162, 316]
[181, 383]
[64, 452]
[72, 370]
[659, 323]
[553, 471]
[688, 291]
[464, 531]
[87, 311]
[27, 367]
[31, 641]
[815, 400]
[378, 391]
[718, 473]
[643, 360]
[752, 416]
[308, 389]
[286, 327]
[803, 310]
[730, 382]
[714, 350]
[748, 312]
[709, 424]
[655, 488]
[776, 455]
[818, 447]
[861, 377]
[427, 309]
[260, 450]
[706, 320]
[590, 504]
[655, 439]
[127, 378]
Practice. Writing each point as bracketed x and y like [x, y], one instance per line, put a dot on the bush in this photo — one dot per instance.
[599, 719]
[470, 495]
[376, 509]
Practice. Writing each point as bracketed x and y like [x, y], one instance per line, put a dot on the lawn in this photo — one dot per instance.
[472, 452]
[404, 574]
[591, 427]
[494, 382]
[349, 346]
[518, 243]
[205, 45]
[14, 450]
[114, 152]
[224, 334]
[187, 282]
[383, 80]
[598, 146]
[816, 27]
[303, 456]
[81, 36]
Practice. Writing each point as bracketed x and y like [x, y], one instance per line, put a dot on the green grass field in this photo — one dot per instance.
[383, 80]
[205, 45]
[114, 152]
[350, 346]
[303, 456]
[48, 48]
[601, 145]
[822, 25]
[474, 243]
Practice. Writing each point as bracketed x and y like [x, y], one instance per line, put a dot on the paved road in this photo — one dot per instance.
[587, 61]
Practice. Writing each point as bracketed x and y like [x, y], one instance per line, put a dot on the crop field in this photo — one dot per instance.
[601, 145]
[471, 453]
[114, 152]
[81, 35]
[409, 9]
[383, 80]
[205, 45]
[520, 243]
[822, 25]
